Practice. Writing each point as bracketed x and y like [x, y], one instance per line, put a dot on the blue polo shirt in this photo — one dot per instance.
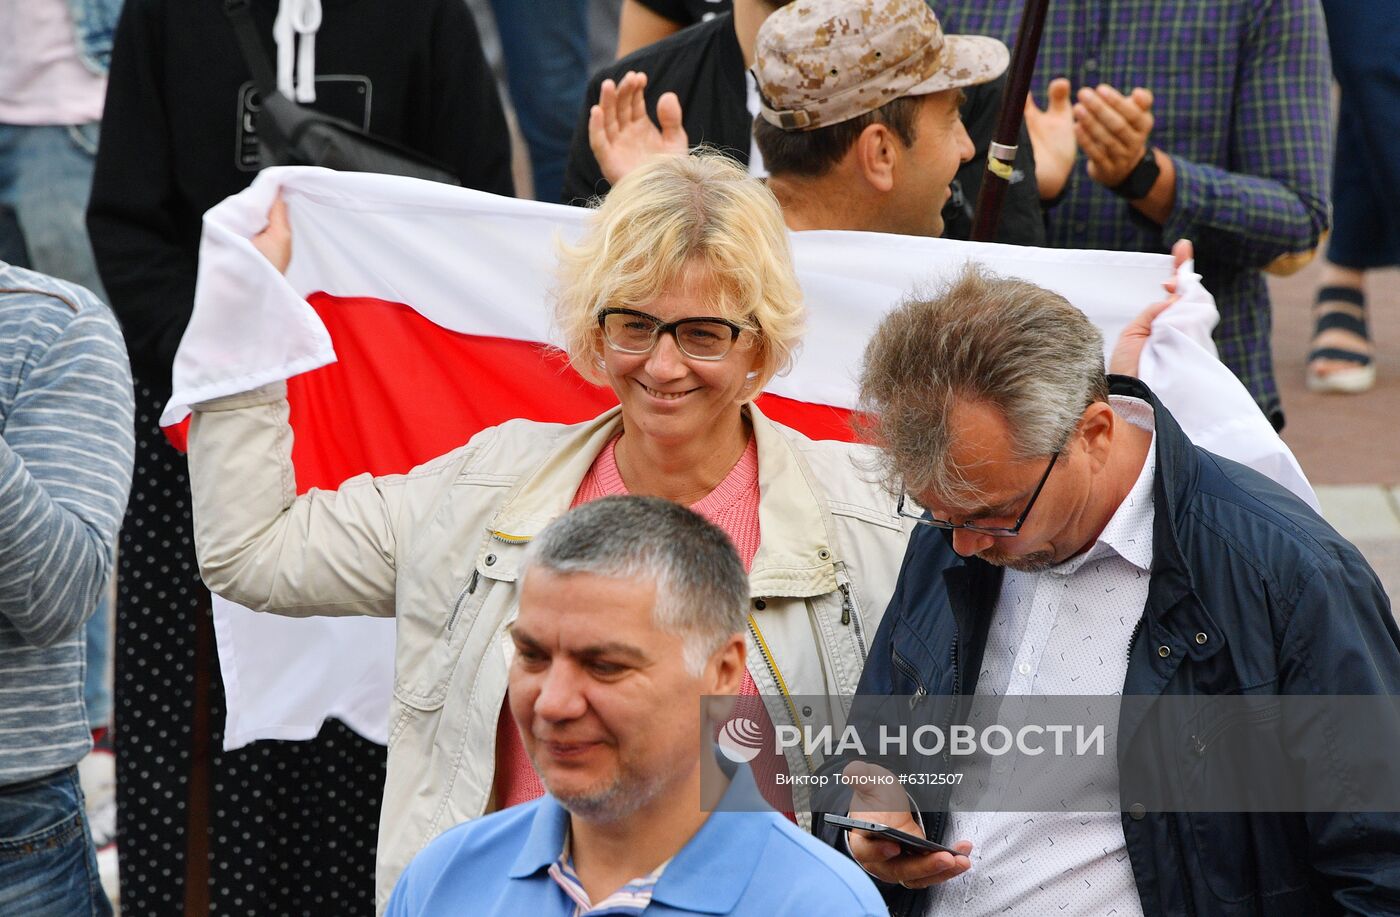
[739, 862]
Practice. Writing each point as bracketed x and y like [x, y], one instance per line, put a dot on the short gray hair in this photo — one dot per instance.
[702, 591]
[1006, 342]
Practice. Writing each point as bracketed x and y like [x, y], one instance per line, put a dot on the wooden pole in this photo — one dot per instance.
[1002, 154]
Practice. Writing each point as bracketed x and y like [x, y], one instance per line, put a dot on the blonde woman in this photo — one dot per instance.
[682, 299]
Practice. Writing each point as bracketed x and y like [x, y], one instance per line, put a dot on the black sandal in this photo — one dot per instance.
[1359, 377]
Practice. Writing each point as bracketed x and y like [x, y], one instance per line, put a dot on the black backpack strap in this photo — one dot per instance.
[254, 54]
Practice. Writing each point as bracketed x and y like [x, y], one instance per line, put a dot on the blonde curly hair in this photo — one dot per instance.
[668, 216]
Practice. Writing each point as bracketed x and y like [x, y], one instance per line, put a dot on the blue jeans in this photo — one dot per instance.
[48, 867]
[45, 180]
[545, 45]
[97, 693]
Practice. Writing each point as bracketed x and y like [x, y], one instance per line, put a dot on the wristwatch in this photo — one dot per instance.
[1139, 181]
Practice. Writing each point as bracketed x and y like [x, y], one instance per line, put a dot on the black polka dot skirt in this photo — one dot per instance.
[291, 826]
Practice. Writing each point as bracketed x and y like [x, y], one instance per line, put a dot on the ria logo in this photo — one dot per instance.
[740, 740]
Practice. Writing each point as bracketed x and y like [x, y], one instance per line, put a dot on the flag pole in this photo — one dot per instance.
[1002, 155]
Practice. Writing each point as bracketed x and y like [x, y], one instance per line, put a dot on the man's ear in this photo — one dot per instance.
[876, 153]
[725, 669]
[1097, 426]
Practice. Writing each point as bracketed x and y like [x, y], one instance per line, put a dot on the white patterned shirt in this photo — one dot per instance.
[1061, 631]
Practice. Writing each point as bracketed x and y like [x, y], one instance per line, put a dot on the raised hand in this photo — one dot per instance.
[621, 134]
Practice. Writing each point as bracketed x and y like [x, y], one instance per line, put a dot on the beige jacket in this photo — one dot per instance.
[440, 547]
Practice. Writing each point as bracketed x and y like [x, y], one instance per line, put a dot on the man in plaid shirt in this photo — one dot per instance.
[1206, 121]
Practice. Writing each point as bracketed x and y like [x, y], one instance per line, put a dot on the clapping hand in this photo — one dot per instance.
[1112, 129]
[1052, 139]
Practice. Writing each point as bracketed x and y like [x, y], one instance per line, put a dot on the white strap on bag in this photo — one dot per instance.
[299, 20]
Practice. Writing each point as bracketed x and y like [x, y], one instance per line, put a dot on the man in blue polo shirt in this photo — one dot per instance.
[631, 612]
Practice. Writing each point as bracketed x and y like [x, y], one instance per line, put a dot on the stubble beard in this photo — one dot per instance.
[613, 801]
[1035, 562]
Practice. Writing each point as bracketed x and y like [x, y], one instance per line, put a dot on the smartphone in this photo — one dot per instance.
[909, 842]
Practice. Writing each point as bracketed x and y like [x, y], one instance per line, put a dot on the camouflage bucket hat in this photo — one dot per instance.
[821, 62]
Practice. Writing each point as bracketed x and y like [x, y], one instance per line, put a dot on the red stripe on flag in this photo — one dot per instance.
[405, 390]
[818, 421]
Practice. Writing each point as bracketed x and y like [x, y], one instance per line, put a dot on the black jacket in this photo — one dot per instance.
[1288, 606]
[178, 133]
[704, 66]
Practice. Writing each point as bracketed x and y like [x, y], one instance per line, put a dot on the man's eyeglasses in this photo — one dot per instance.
[997, 531]
[700, 338]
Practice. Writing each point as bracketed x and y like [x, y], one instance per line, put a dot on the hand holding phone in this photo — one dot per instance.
[887, 842]
[909, 843]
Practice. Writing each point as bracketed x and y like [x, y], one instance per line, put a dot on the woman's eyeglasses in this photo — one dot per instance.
[700, 338]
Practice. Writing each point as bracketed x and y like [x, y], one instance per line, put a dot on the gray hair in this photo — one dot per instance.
[1005, 342]
[702, 591]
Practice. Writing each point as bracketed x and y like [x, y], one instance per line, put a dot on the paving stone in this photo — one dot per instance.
[1360, 511]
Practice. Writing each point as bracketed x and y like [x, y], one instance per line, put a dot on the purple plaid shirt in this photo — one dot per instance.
[1242, 93]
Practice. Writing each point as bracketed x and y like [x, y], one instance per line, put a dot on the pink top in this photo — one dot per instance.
[733, 506]
[42, 79]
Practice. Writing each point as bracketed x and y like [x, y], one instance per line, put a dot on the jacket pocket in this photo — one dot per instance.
[907, 680]
[1229, 749]
[429, 646]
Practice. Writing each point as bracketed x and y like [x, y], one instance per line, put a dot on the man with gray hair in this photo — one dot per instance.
[1073, 541]
[632, 611]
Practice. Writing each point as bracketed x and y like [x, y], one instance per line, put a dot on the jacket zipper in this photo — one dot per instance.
[940, 815]
[850, 615]
[457, 608]
[1137, 628]
[778, 679]
[946, 792]
[1200, 743]
[957, 675]
[908, 670]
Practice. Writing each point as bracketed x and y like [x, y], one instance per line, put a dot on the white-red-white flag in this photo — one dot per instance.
[415, 314]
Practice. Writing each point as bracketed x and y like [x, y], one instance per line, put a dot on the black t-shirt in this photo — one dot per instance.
[704, 66]
[687, 12]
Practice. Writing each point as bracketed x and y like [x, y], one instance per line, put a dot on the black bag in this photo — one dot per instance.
[292, 135]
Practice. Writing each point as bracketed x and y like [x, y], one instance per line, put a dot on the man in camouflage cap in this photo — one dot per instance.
[859, 123]
[858, 114]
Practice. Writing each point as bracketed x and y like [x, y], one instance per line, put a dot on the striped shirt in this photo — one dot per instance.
[66, 444]
[1243, 107]
[630, 900]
